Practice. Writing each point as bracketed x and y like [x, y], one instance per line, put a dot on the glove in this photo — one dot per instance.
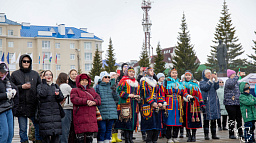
[9, 95]
[203, 108]
[13, 92]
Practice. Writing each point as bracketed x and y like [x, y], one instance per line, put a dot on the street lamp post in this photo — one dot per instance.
[78, 61]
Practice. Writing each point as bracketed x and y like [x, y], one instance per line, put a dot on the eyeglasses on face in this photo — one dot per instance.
[26, 61]
[107, 77]
[48, 75]
[221, 82]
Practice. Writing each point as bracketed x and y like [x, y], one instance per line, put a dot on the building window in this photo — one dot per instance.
[1, 41]
[46, 66]
[72, 45]
[10, 44]
[57, 67]
[88, 56]
[46, 44]
[0, 30]
[47, 55]
[10, 32]
[88, 67]
[29, 44]
[58, 56]
[87, 46]
[72, 67]
[1, 54]
[57, 45]
[72, 56]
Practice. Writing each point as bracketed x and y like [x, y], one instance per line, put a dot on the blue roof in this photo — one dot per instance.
[7, 21]
[32, 31]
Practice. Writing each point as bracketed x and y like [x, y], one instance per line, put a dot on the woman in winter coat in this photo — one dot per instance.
[7, 94]
[49, 109]
[174, 93]
[107, 108]
[62, 82]
[129, 92]
[85, 100]
[151, 103]
[208, 89]
[192, 106]
[223, 111]
[231, 102]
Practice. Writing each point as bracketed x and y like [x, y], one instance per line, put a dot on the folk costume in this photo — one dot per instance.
[192, 112]
[174, 93]
[150, 116]
[128, 108]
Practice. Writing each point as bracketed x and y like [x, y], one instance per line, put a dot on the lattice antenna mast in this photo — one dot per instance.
[146, 23]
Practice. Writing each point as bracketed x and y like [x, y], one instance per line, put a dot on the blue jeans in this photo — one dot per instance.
[6, 127]
[23, 121]
[66, 122]
[105, 127]
[249, 131]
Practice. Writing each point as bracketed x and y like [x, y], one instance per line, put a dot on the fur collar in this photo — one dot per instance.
[131, 83]
[152, 83]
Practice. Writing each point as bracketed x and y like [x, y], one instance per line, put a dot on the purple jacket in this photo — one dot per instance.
[231, 89]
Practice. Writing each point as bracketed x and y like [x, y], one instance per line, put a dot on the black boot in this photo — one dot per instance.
[143, 136]
[155, 136]
[181, 132]
[206, 134]
[149, 136]
[131, 136]
[127, 136]
[122, 135]
[214, 135]
[80, 138]
[89, 139]
[193, 139]
[189, 135]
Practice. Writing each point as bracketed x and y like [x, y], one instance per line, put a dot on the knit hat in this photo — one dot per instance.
[112, 73]
[230, 72]
[84, 76]
[206, 71]
[159, 75]
[103, 74]
[182, 77]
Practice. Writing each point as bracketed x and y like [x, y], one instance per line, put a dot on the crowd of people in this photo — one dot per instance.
[73, 108]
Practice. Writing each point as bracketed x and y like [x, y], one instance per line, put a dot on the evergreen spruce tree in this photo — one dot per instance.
[185, 58]
[159, 64]
[96, 65]
[225, 31]
[251, 66]
[111, 61]
[144, 59]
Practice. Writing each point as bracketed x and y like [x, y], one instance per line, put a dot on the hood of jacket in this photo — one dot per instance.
[20, 63]
[78, 79]
[241, 86]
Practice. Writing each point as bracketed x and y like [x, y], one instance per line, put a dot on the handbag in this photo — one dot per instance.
[62, 113]
[125, 112]
[98, 115]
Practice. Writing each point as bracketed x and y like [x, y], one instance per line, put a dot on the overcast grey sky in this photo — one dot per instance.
[121, 20]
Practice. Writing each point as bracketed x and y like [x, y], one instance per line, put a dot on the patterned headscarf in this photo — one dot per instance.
[146, 73]
[127, 70]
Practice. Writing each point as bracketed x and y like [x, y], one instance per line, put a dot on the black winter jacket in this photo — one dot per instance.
[5, 103]
[49, 111]
[27, 97]
[71, 83]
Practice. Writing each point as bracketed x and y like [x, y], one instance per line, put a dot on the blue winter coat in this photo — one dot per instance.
[210, 97]
[231, 89]
[108, 97]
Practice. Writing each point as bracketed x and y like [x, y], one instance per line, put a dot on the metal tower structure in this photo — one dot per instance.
[146, 23]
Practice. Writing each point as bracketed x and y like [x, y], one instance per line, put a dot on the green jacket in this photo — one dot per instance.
[247, 104]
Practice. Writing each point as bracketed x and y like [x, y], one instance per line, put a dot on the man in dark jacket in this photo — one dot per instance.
[26, 80]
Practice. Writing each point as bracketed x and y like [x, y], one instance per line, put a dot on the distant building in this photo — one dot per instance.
[60, 41]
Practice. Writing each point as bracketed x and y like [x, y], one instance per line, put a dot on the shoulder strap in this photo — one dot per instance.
[89, 94]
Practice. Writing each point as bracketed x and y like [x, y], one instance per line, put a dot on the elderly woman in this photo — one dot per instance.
[85, 100]
[208, 87]
[174, 93]
[151, 102]
[50, 97]
[192, 105]
[107, 108]
[232, 104]
[128, 90]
